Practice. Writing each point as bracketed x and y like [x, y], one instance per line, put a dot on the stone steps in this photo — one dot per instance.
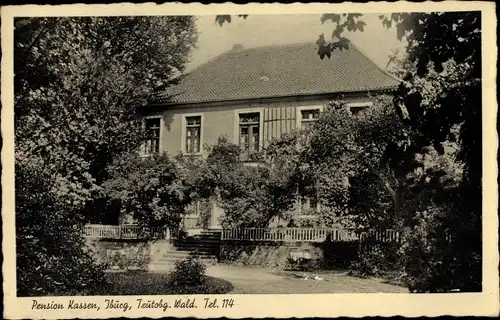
[172, 260]
[178, 253]
[204, 247]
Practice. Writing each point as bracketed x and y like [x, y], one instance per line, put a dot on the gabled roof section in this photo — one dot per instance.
[278, 71]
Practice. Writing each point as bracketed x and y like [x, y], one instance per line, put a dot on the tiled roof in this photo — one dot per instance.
[279, 71]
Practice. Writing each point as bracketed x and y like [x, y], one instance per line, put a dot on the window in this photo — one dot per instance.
[193, 134]
[308, 118]
[357, 108]
[308, 204]
[249, 131]
[152, 143]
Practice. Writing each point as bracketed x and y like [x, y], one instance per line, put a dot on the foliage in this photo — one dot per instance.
[129, 258]
[188, 271]
[446, 49]
[150, 189]
[250, 196]
[356, 147]
[46, 240]
[78, 81]
[371, 261]
[149, 283]
[438, 101]
[348, 156]
[428, 254]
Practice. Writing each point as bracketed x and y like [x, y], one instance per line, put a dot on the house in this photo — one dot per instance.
[256, 94]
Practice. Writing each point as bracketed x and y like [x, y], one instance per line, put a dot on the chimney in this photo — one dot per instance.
[237, 47]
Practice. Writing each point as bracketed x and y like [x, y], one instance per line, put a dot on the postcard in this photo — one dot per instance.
[259, 160]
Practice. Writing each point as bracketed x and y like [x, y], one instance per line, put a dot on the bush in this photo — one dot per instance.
[338, 254]
[148, 283]
[188, 272]
[51, 253]
[371, 261]
[129, 258]
[435, 263]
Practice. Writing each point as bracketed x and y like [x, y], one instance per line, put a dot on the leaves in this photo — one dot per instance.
[78, 83]
[221, 19]
[335, 18]
[360, 25]
[154, 189]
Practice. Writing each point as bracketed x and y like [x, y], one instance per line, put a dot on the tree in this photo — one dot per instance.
[250, 196]
[150, 190]
[78, 85]
[348, 154]
[79, 82]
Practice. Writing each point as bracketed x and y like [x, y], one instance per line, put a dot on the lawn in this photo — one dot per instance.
[254, 280]
[222, 279]
[149, 283]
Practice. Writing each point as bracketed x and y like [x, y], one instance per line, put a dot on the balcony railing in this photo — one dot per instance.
[130, 231]
[304, 234]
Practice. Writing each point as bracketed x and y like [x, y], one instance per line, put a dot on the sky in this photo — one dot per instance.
[261, 30]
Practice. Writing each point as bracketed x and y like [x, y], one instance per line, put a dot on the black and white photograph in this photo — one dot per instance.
[174, 157]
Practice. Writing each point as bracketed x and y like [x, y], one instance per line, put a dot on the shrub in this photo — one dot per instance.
[432, 261]
[129, 258]
[372, 261]
[338, 254]
[51, 253]
[188, 272]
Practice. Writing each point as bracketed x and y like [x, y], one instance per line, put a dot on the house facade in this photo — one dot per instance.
[254, 95]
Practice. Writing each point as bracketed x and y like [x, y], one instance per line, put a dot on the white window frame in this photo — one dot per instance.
[142, 152]
[184, 133]
[361, 105]
[308, 206]
[237, 113]
[298, 115]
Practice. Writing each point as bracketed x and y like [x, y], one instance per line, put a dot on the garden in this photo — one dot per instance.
[409, 163]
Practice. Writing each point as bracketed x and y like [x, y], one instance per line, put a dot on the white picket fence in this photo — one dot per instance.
[124, 231]
[304, 234]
